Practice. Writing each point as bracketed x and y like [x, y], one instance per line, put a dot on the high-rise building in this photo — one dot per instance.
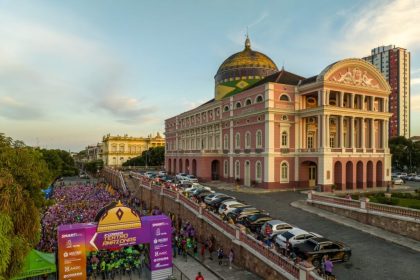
[394, 64]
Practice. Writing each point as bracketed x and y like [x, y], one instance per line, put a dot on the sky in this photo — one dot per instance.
[74, 71]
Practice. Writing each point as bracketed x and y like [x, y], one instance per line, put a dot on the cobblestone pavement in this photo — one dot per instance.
[372, 257]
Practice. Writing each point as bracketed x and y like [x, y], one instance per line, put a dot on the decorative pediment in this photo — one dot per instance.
[354, 76]
[355, 72]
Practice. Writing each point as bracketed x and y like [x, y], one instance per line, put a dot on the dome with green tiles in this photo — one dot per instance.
[241, 70]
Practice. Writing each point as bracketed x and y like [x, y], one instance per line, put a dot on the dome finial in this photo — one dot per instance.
[247, 41]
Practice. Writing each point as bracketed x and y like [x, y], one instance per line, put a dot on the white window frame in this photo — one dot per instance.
[258, 139]
[285, 94]
[247, 140]
[226, 142]
[256, 98]
[225, 168]
[237, 140]
[237, 170]
[284, 165]
[248, 101]
[286, 138]
[258, 170]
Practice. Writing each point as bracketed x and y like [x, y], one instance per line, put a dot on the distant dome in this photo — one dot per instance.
[248, 66]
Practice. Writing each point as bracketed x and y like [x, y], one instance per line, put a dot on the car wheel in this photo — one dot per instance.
[316, 262]
[346, 257]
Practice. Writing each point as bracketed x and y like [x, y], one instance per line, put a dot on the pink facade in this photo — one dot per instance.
[290, 132]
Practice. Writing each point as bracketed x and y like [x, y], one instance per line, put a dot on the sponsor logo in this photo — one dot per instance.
[160, 259]
[76, 274]
[72, 268]
[72, 254]
[160, 240]
[160, 224]
[68, 244]
[161, 253]
[70, 235]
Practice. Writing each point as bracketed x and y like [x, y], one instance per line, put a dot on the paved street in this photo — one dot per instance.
[372, 257]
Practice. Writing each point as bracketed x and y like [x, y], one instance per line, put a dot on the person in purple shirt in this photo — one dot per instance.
[328, 266]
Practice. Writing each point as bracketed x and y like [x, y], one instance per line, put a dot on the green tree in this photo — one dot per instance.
[154, 156]
[23, 174]
[93, 166]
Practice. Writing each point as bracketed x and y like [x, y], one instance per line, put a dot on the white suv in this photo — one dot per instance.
[294, 236]
[227, 205]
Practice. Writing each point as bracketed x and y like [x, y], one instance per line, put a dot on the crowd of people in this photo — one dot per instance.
[129, 261]
[76, 203]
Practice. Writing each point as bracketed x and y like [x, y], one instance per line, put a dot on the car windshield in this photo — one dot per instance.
[287, 235]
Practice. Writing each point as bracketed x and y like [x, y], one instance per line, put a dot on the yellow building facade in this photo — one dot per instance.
[119, 149]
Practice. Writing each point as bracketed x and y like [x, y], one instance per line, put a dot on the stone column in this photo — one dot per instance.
[341, 130]
[352, 101]
[320, 99]
[319, 131]
[327, 97]
[372, 133]
[385, 134]
[362, 128]
[351, 131]
[327, 132]
[341, 104]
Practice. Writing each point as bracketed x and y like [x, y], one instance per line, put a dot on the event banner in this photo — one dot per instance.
[72, 251]
[120, 238]
[161, 244]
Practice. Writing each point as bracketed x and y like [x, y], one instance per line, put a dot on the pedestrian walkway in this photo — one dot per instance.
[389, 236]
[211, 269]
[190, 268]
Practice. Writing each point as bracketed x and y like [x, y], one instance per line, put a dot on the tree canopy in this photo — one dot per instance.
[405, 153]
[155, 156]
[24, 172]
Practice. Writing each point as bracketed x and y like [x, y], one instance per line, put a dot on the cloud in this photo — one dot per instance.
[379, 23]
[415, 81]
[126, 109]
[17, 110]
[415, 103]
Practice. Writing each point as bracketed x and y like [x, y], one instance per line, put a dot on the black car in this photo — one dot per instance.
[314, 249]
[215, 204]
[240, 212]
[254, 222]
[202, 194]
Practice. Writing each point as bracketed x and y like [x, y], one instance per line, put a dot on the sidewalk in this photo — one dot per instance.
[232, 187]
[190, 268]
[211, 269]
[383, 234]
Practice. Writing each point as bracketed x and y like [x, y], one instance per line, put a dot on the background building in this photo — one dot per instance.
[394, 64]
[276, 129]
[119, 149]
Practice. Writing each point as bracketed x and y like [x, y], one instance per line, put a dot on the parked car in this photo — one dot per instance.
[239, 213]
[191, 178]
[293, 236]
[397, 181]
[254, 222]
[416, 178]
[227, 205]
[213, 196]
[215, 204]
[162, 173]
[275, 227]
[181, 176]
[202, 194]
[314, 249]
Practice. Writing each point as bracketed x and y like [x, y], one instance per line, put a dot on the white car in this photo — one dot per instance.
[294, 236]
[227, 205]
[213, 196]
[181, 176]
[191, 178]
[162, 173]
[196, 186]
[276, 227]
[397, 181]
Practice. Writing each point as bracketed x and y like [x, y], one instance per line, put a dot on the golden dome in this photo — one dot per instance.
[247, 65]
[117, 218]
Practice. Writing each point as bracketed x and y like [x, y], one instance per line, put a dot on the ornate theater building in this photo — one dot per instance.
[271, 128]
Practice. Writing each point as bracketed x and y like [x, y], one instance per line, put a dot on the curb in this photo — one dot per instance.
[377, 232]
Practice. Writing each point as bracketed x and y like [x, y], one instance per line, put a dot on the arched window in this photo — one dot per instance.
[238, 105]
[226, 108]
[284, 139]
[284, 172]
[258, 171]
[258, 139]
[259, 99]
[247, 140]
[284, 97]
[225, 168]
[237, 170]
[248, 102]
[238, 141]
[226, 142]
